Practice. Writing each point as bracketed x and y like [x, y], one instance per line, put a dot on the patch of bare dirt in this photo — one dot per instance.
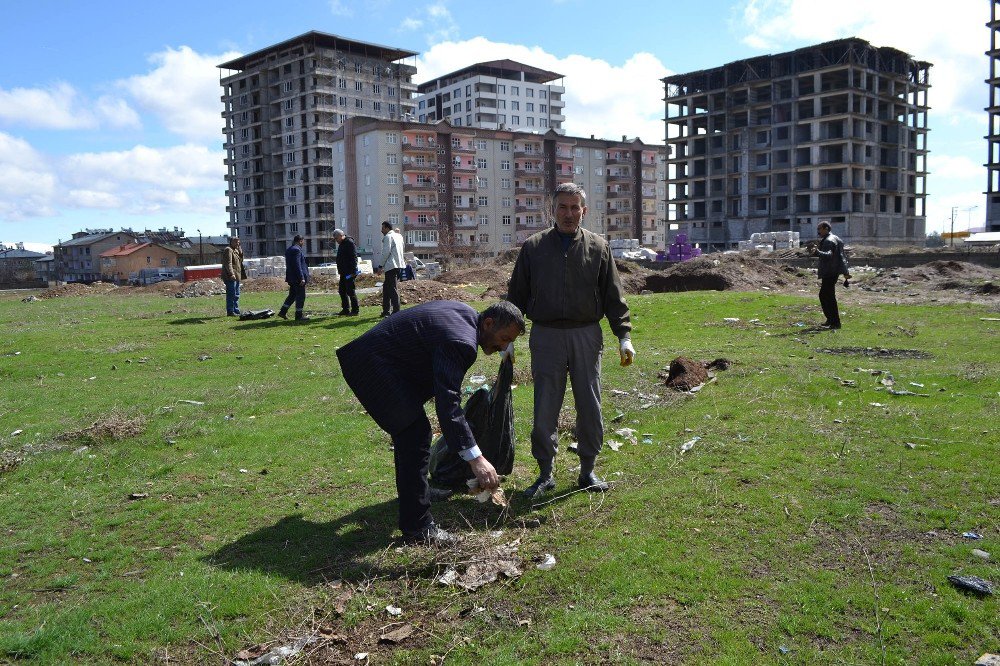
[77, 289]
[720, 273]
[115, 426]
[877, 352]
[412, 292]
[479, 275]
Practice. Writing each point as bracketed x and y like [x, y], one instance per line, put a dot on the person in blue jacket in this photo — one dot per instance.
[347, 267]
[297, 276]
[404, 361]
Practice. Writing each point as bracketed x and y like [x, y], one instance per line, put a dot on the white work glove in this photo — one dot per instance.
[509, 351]
[627, 351]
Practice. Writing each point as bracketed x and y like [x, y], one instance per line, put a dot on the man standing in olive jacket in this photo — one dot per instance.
[347, 267]
[232, 274]
[565, 281]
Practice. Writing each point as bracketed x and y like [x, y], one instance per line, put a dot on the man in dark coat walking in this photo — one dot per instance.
[296, 275]
[347, 267]
[832, 265]
[404, 361]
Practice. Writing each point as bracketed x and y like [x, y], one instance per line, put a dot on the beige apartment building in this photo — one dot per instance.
[835, 132]
[282, 106]
[477, 192]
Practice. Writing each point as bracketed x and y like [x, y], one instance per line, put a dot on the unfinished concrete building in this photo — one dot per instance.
[835, 132]
[282, 106]
[993, 137]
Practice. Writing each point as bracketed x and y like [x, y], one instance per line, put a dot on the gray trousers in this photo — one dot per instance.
[556, 352]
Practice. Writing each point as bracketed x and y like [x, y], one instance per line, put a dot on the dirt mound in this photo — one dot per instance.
[412, 292]
[206, 287]
[78, 289]
[633, 276]
[718, 274]
[165, 288]
[949, 275]
[685, 374]
[478, 275]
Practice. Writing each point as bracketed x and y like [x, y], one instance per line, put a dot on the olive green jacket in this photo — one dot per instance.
[232, 265]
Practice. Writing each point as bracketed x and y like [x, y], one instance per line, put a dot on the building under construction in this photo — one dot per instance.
[835, 132]
[993, 137]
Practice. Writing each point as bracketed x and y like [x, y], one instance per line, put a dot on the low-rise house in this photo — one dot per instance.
[17, 266]
[79, 259]
[122, 264]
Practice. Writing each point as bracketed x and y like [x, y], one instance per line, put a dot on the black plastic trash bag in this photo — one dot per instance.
[490, 413]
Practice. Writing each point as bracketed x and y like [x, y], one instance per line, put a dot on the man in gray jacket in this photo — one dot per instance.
[832, 265]
[565, 281]
[391, 265]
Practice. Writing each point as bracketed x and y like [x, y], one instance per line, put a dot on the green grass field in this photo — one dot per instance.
[814, 521]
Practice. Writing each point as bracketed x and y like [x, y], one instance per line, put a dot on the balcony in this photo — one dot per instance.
[429, 147]
[416, 207]
[530, 191]
[426, 186]
[618, 160]
[527, 209]
[465, 205]
[463, 150]
[620, 177]
[529, 173]
[468, 167]
[531, 154]
[425, 166]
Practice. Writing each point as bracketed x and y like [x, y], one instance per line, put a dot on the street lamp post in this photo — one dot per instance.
[201, 247]
[952, 239]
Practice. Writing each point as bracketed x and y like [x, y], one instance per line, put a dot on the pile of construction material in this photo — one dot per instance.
[681, 250]
[629, 249]
[768, 241]
[265, 267]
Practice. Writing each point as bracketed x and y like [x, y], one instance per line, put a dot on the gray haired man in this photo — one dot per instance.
[565, 281]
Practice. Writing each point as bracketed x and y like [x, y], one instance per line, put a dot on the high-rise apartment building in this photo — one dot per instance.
[500, 94]
[282, 107]
[993, 137]
[835, 132]
[462, 191]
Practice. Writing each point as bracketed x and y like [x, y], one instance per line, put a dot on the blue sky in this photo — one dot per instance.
[110, 111]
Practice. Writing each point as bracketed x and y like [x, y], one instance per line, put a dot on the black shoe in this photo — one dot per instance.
[542, 484]
[283, 313]
[384, 315]
[343, 313]
[301, 317]
[592, 483]
[353, 313]
[432, 535]
[441, 494]
[829, 326]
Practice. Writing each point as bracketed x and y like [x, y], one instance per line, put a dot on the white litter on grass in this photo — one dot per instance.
[361, 656]
[876, 404]
[16, 432]
[548, 562]
[477, 379]
[448, 577]
[688, 445]
[190, 402]
[614, 444]
[628, 434]
[731, 320]
[395, 611]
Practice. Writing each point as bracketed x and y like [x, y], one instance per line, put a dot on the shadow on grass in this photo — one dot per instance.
[310, 552]
[193, 320]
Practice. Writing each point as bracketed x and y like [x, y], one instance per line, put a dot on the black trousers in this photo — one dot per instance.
[390, 291]
[412, 452]
[828, 299]
[297, 295]
[348, 294]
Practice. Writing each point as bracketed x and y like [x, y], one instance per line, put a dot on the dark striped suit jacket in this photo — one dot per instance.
[407, 359]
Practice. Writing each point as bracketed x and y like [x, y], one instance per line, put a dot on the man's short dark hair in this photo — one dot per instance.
[297, 238]
[824, 223]
[569, 188]
[387, 223]
[503, 314]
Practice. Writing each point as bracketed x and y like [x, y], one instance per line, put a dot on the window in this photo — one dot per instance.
[543, 122]
[506, 202]
[456, 93]
[543, 108]
[484, 238]
[482, 182]
[484, 201]
[293, 211]
[484, 220]
[368, 200]
[247, 199]
[502, 89]
[293, 193]
[529, 92]
[358, 86]
[246, 150]
[290, 140]
[393, 219]
[376, 88]
[456, 200]
[505, 220]
[289, 158]
[359, 103]
[531, 121]
[365, 140]
[391, 137]
[516, 120]
[390, 158]
[248, 216]
[515, 106]
[505, 145]
[245, 133]
[578, 170]
[543, 94]
[515, 90]
[358, 68]
[376, 105]
[287, 86]
[342, 84]
[505, 165]
[481, 144]
[246, 183]
[529, 106]
[391, 91]
[289, 122]
[243, 100]
[392, 198]
[392, 179]
[598, 171]
[505, 183]
[342, 101]
[456, 108]
[598, 153]
[481, 163]
[506, 238]
[468, 90]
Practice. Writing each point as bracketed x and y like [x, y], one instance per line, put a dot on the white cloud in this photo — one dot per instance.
[949, 35]
[143, 181]
[339, 8]
[27, 184]
[435, 21]
[62, 107]
[183, 90]
[602, 99]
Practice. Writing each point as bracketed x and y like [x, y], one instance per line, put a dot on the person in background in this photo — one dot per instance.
[347, 267]
[297, 276]
[832, 264]
[390, 264]
[233, 272]
[404, 361]
[566, 281]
